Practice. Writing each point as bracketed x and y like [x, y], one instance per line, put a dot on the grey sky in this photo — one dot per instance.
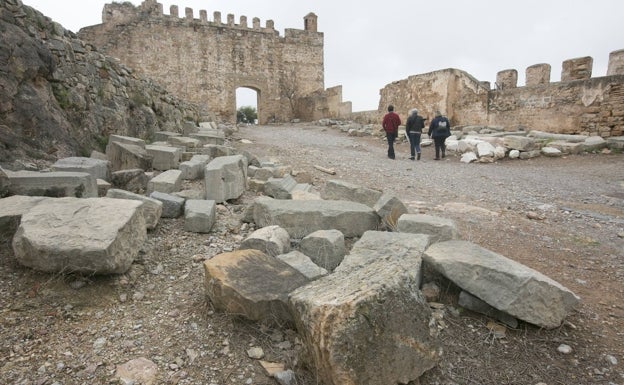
[369, 44]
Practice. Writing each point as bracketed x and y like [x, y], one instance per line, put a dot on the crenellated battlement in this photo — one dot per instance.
[123, 13]
[205, 59]
[572, 69]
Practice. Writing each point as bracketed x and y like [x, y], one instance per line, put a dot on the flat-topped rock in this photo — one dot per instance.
[503, 283]
[99, 169]
[301, 218]
[54, 184]
[90, 236]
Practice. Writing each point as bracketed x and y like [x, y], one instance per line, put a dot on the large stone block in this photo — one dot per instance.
[367, 326]
[168, 182]
[11, 210]
[440, 229]
[124, 156]
[99, 169]
[325, 247]
[226, 178]
[134, 180]
[151, 208]
[341, 190]
[503, 283]
[164, 157]
[252, 284]
[199, 215]
[301, 218]
[54, 184]
[271, 240]
[90, 236]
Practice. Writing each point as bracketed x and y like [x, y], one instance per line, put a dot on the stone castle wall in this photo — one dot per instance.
[205, 61]
[578, 104]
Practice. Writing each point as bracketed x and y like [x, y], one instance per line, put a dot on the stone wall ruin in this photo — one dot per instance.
[205, 61]
[578, 104]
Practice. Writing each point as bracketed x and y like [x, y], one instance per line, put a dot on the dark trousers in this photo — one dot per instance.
[439, 145]
[391, 137]
[414, 138]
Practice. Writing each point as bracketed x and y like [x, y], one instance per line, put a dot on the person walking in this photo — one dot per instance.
[390, 123]
[439, 130]
[413, 127]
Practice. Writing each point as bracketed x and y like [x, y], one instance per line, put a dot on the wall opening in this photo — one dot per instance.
[247, 102]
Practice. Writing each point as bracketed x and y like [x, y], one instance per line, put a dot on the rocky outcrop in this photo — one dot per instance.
[61, 97]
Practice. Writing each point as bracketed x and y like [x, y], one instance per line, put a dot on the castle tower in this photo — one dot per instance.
[616, 63]
[310, 22]
[577, 69]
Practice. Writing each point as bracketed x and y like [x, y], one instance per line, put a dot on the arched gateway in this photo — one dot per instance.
[206, 61]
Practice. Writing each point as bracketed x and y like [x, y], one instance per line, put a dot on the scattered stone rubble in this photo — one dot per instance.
[360, 312]
[488, 144]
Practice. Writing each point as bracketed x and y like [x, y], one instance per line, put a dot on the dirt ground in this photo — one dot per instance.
[563, 217]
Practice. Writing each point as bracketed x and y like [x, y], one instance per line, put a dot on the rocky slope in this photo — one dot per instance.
[61, 97]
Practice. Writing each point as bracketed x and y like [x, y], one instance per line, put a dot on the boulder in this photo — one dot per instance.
[125, 156]
[199, 215]
[134, 180]
[503, 283]
[89, 236]
[303, 264]
[341, 190]
[367, 326]
[440, 229]
[99, 169]
[54, 184]
[301, 218]
[151, 208]
[168, 182]
[164, 157]
[326, 248]
[389, 208]
[11, 210]
[252, 284]
[271, 240]
[225, 178]
[172, 205]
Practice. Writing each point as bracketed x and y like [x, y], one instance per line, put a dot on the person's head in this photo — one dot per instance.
[438, 113]
[390, 108]
[413, 111]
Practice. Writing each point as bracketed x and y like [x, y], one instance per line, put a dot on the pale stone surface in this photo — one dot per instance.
[485, 149]
[503, 283]
[199, 215]
[52, 184]
[301, 218]
[99, 169]
[567, 147]
[399, 248]
[340, 190]
[125, 156]
[252, 284]
[440, 229]
[167, 182]
[164, 157]
[520, 143]
[184, 142]
[140, 370]
[151, 208]
[280, 188]
[225, 178]
[93, 235]
[551, 152]
[172, 205]
[11, 210]
[303, 264]
[326, 248]
[271, 240]
[594, 143]
[194, 168]
[469, 157]
[367, 326]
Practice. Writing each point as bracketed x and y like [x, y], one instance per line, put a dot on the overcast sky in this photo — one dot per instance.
[369, 44]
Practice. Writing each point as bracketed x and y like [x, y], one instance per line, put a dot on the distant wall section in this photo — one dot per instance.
[579, 104]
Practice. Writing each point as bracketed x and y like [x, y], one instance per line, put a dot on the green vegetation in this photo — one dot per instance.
[62, 96]
[246, 114]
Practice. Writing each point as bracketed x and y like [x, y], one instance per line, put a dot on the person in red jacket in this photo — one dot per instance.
[391, 122]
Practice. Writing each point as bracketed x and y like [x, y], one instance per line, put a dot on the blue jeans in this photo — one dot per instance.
[391, 137]
[414, 138]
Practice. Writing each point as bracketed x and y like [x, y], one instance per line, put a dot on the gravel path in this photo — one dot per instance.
[563, 217]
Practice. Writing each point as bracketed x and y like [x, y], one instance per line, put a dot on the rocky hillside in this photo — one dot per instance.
[60, 97]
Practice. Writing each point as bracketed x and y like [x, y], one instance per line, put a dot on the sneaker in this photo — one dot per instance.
[411, 158]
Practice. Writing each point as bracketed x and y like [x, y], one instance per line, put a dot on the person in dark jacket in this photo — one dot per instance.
[390, 123]
[413, 127]
[439, 130]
